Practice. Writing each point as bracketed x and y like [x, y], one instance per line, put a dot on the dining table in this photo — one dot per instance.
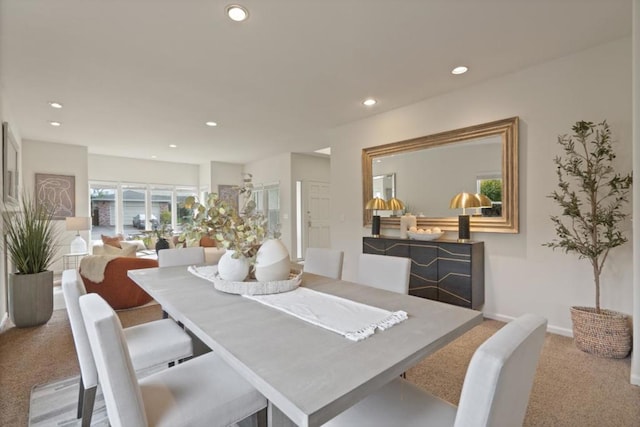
[307, 373]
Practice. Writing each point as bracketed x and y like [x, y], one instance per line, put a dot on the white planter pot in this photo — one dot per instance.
[272, 261]
[232, 269]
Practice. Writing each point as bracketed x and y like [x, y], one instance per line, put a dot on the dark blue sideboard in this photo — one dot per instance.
[441, 270]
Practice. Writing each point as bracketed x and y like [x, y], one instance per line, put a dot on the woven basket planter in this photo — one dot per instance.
[606, 334]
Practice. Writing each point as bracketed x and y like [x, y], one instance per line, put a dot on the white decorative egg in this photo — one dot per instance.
[272, 261]
[420, 231]
[428, 231]
[437, 230]
[413, 229]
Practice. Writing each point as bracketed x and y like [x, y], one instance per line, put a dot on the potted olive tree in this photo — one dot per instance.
[31, 240]
[593, 197]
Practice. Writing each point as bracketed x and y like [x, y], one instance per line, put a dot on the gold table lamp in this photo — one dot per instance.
[464, 201]
[376, 204]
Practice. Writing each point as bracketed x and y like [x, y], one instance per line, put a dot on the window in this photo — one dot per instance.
[267, 200]
[132, 208]
[103, 213]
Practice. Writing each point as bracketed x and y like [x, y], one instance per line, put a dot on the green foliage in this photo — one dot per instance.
[30, 234]
[242, 231]
[591, 195]
[165, 217]
[492, 188]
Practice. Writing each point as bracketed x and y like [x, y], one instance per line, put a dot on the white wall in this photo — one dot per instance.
[224, 174]
[5, 116]
[59, 159]
[520, 275]
[635, 355]
[123, 169]
[277, 170]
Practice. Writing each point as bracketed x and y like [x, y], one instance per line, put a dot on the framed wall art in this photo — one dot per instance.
[229, 194]
[10, 165]
[58, 192]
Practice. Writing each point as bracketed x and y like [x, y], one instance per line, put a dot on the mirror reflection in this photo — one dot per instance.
[425, 173]
[428, 179]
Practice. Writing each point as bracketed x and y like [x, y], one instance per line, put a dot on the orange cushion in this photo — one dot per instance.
[112, 241]
[116, 288]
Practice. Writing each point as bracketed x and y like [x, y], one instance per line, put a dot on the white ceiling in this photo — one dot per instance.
[137, 75]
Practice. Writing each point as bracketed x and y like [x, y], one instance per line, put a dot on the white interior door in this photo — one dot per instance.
[316, 214]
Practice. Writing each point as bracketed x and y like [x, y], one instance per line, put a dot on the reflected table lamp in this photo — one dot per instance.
[464, 201]
[485, 202]
[77, 224]
[376, 204]
[395, 205]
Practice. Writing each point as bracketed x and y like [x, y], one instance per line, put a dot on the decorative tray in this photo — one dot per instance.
[250, 287]
[425, 236]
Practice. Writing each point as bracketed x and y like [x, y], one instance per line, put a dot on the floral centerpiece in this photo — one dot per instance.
[240, 233]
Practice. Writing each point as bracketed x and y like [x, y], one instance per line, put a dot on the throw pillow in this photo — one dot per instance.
[129, 251]
[207, 242]
[112, 241]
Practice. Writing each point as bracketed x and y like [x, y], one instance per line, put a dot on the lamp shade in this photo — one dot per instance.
[78, 223]
[485, 202]
[464, 200]
[395, 204]
[376, 204]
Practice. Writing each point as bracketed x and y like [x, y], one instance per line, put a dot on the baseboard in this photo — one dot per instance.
[635, 380]
[550, 328]
[4, 323]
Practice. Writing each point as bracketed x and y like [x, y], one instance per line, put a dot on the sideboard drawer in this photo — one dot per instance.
[447, 271]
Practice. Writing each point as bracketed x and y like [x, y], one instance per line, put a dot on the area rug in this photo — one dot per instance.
[56, 403]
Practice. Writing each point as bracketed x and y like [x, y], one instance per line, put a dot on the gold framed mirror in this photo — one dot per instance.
[430, 170]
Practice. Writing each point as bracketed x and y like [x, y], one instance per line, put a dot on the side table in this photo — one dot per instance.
[72, 260]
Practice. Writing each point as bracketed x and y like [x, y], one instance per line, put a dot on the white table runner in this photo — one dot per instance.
[351, 319]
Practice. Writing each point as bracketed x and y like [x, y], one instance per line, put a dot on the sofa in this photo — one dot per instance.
[116, 287]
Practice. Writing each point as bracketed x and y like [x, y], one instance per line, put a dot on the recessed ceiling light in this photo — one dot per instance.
[237, 13]
[172, 145]
[54, 104]
[459, 70]
[56, 124]
[154, 157]
[369, 102]
[211, 124]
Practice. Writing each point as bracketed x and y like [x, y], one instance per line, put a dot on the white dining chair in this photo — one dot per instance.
[181, 256]
[203, 391]
[153, 343]
[324, 262]
[495, 392]
[384, 272]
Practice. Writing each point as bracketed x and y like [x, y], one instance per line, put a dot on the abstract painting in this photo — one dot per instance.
[57, 192]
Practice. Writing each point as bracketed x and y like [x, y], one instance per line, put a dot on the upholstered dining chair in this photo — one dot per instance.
[154, 343]
[181, 256]
[384, 272]
[203, 391]
[495, 392]
[324, 262]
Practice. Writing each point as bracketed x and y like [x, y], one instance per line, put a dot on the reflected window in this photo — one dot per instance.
[491, 186]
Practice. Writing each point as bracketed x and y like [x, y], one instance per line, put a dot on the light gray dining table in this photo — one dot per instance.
[307, 373]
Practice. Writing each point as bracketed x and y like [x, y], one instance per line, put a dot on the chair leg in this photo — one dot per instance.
[86, 400]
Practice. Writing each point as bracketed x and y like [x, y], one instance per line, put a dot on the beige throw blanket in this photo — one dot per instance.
[92, 267]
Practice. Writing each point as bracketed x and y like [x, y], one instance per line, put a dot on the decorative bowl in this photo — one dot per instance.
[249, 287]
[424, 236]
